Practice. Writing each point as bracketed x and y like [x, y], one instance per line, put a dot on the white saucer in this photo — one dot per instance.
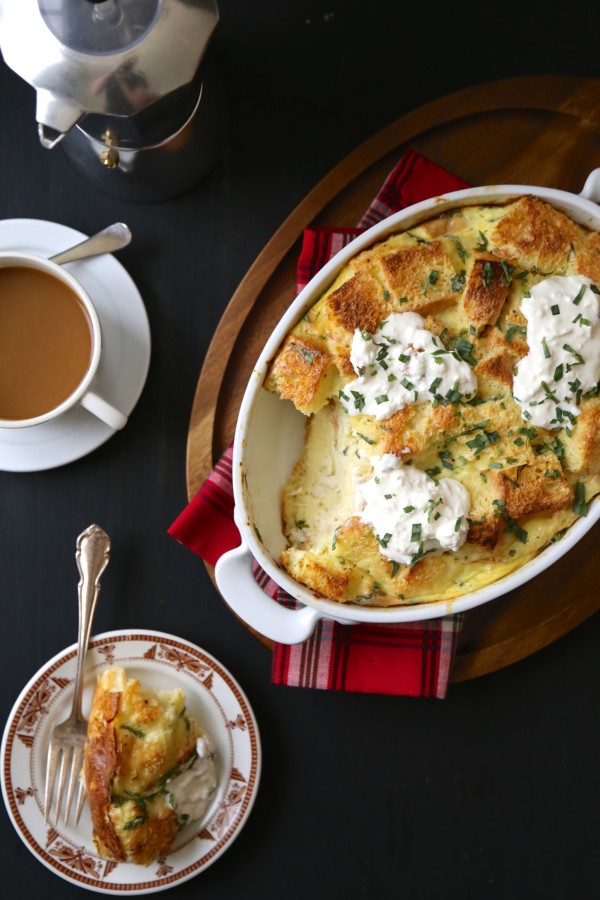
[213, 698]
[125, 353]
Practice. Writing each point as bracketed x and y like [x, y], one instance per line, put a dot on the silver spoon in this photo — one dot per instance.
[112, 238]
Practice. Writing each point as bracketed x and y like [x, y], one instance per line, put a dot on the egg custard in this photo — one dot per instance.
[465, 274]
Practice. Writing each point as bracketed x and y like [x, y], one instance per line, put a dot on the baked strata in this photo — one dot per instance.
[489, 383]
[140, 744]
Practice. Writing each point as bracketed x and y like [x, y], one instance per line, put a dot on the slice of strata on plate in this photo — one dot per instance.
[144, 756]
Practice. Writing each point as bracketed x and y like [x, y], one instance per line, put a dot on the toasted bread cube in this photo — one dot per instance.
[537, 487]
[422, 274]
[303, 373]
[486, 290]
[582, 449]
[536, 233]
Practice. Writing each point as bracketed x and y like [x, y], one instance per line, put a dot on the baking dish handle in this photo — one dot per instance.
[591, 188]
[233, 574]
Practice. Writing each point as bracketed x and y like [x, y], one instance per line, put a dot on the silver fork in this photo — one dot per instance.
[67, 740]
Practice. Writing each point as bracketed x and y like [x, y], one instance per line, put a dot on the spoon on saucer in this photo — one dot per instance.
[112, 238]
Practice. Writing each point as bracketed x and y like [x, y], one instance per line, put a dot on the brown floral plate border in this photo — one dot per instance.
[214, 699]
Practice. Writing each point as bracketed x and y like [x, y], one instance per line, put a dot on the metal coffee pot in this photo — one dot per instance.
[125, 86]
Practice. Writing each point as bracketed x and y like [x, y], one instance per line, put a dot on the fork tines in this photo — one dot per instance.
[70, 758]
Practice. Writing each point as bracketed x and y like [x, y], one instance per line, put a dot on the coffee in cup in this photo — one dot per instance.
[50, 344]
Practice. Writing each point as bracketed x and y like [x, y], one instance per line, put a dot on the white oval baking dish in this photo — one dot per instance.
[269, 438]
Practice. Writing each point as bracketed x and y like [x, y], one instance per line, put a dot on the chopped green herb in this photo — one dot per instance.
[579, 506]
[555, 310]
[513, 527]
[457, 524]
[579, 360]
[545, 348]
[496, 465]
[558, 372]
[577, 300]
[415, 534]
[382, 398]
[454, 397]
[431, 280]
[445, 457]
[459, 247]
[407, 384]
[433, 471]
[457, 282]
[384, 541]
[409, 509]
[487, 274]
[359, 400]
[386, 295]
[307, 355]
[507, 271]
[366, 438]
[482, 440]
[135, 731]
[395, 569]
[484, 242]
[403, 358]
[513, 328]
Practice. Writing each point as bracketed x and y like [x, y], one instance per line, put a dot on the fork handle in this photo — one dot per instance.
[92, 555]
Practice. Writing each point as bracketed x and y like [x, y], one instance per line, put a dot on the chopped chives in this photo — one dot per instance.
[579, 506]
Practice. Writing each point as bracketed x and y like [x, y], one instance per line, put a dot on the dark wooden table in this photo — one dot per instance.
[491, 793]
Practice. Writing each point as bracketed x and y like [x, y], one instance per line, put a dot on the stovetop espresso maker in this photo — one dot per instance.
[124, 86]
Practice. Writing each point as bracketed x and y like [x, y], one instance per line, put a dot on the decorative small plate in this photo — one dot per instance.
[213, 698]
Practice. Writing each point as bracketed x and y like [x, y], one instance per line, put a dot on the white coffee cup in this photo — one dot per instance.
[83, 395]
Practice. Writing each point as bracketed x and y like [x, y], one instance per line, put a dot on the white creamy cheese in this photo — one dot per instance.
[412, 514]
[403, 363]
[563, 362]
[190, 792]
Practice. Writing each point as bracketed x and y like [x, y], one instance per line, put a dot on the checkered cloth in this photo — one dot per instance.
[412, 659]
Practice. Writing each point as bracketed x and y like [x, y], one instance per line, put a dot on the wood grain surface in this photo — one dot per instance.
[530, 130]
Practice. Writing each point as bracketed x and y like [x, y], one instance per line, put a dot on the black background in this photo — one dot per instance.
[491, 793]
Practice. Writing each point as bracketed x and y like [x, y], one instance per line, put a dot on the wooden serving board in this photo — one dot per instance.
[533, 130]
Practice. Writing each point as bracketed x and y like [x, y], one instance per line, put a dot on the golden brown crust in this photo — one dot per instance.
[421, 273]
[587, 257]
[485, 534]
[485, 293]
[498, 369]
[536, 234]
[302, 372]
[100, 767]
[357, 303]
[582, 447]
[533, 488]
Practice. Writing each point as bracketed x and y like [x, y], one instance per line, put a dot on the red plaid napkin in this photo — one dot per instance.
[412, 659]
